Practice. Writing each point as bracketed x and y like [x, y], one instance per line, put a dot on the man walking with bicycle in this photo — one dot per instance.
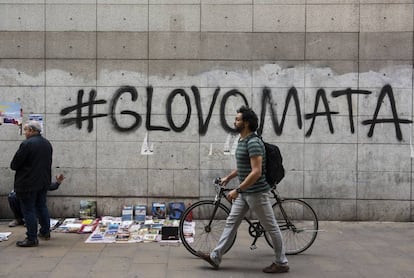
[252, 193]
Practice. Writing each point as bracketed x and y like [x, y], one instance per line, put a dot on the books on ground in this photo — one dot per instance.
[189, 231]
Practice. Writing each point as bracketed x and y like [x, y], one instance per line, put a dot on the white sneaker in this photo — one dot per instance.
[15, 223]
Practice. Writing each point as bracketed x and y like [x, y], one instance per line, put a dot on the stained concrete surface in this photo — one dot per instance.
[342, 249]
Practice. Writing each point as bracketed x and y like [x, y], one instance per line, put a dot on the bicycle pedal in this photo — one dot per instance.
[253, 247]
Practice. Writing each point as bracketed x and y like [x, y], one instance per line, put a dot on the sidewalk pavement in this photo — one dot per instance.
[342, 249]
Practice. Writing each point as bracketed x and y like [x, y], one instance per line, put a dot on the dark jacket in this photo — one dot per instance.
[33, 165]
[53, 186]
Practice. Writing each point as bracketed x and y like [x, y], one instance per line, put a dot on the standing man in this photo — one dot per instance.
[33, 165]
[252, 193]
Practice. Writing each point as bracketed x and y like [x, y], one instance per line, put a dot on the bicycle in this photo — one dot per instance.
[202, 223]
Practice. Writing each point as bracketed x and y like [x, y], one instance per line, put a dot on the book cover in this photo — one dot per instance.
[106, 220]
[69, 225]
[54, 223]
[175, 209]
[98, 236]
[4, 236]
[123, 234]
[87, 209]
[127, 213]
[150, 237]
[140, 213]
[111, 232]
[189, 231]
[158, 210]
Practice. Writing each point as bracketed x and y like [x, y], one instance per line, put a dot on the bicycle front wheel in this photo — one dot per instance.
[298, 224]
[201, 226]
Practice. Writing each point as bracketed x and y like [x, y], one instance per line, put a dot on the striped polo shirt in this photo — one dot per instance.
[246, 148]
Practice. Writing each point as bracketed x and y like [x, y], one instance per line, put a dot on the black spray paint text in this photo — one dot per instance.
[203, 124]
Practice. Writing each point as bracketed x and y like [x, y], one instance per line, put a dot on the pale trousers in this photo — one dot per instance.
[261, 205]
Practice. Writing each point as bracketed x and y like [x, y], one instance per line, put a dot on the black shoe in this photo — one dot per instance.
[27, 243]
[44, 236]
[208, 259]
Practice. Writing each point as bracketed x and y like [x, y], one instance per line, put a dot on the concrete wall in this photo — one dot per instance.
[346, 141]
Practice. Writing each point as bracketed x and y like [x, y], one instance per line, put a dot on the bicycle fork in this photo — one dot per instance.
[207, 228]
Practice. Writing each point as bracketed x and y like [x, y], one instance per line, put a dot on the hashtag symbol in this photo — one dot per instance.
[78, 108]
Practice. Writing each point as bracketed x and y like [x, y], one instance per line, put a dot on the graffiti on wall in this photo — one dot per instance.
[321, 104]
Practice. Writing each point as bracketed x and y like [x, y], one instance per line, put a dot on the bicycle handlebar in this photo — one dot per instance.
[220, 190]
[217, 181]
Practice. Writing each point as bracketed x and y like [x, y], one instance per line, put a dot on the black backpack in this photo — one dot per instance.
[275, 171]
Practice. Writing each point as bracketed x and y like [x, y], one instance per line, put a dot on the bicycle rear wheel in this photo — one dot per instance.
[203, 232]
[298, 224]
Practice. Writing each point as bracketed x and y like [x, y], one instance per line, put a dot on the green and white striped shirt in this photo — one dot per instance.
[247, 148]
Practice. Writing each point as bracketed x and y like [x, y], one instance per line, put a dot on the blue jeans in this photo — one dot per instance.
[260, 204]
[34, 206]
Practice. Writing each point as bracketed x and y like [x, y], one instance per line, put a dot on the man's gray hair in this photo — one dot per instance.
[35, 125]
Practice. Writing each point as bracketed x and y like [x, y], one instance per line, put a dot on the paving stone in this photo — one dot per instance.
[342, 249]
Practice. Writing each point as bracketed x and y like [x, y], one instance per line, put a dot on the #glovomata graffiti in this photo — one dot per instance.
[291, 100]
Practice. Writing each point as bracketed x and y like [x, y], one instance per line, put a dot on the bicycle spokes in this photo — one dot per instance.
[298, 224]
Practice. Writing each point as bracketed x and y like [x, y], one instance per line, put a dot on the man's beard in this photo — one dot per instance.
[239, 128]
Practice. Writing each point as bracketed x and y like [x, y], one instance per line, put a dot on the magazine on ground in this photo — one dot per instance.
[158, 210]
[189, 231]
[129, 231]
[127, 213]
[76, 225]
[54, 223]
[87, 209]
[175, 209]
[4, 236]
[88, 226]
[140, 213]
[69, 225]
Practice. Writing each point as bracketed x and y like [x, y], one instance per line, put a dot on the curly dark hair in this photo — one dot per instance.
[248, 115]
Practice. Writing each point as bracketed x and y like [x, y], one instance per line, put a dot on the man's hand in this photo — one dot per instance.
[60, 178]
[232, 195]
[224, 181]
